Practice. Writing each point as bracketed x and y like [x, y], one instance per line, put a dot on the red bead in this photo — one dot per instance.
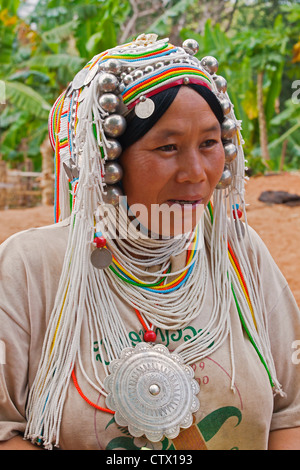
[238, 213]
[149, 336]
[100, 242]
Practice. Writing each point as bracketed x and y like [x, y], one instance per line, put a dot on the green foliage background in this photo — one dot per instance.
[41, 49]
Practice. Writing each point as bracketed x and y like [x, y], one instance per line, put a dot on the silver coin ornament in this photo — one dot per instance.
[145, 108]
[112, 173]
[239, 228]
[152, 392]
[91, 74]
[79, 79]
[101, 258]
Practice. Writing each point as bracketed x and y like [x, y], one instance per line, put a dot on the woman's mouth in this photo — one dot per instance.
[186, 203]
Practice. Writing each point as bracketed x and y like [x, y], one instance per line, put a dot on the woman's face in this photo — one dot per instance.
[178, 163]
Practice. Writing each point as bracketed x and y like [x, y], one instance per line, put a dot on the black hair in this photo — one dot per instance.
[137, 127]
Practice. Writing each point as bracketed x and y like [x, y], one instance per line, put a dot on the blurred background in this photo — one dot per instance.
[44, 43]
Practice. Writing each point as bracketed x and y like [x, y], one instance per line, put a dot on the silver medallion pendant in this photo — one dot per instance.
[101, 258]
[152, 392]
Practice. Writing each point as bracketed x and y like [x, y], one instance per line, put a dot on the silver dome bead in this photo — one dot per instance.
[113, 193]
[138, 74]
[158, 65]
[112, 66]
[191, 46]
[225, 179]
[228, 128]
[221, 83]
[230, 152]
[112, 173]
[108, 82]
[114, 125]
[149, 69]
[128, 79]
[121, 88]
[109, 102]
[113, 149]
[225, 105]
[210, 64]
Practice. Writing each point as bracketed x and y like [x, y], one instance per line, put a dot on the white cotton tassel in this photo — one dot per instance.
[62, 340]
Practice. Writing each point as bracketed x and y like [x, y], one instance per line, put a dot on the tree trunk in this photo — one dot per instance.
[47, 179]
[263, 135]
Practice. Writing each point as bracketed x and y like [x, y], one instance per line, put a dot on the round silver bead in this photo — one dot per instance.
[149, 69]
[225, 179]
[191, 46]
[128, 79]
[121, 88]
[210, 64]
[109, 102]
[112, 66]
[228, 128]
[221, 83]
[225, 105]
[186, 80]
[138, 74]
[113, 149]
[112, 173]
[108, 82]
[158, 65]
[113, 193]
[230, 152]
[114, 125]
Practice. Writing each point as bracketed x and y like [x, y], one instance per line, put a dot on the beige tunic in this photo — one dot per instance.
[30, 266]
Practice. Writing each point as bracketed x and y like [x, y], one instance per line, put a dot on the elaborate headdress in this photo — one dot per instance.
[84, 126]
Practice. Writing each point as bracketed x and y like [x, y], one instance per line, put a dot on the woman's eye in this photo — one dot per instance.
[209, 143]
[167, 148]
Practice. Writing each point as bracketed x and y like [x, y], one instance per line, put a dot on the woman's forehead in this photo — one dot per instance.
[188, 109]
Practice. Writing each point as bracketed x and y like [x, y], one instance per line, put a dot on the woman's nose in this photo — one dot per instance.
[191, 167]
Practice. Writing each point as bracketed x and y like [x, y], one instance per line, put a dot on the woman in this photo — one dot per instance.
[125, 329]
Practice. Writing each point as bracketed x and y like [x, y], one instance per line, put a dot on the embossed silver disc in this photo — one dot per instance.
[101, 258]
[145, 109]
[78, 80]
[152, 392]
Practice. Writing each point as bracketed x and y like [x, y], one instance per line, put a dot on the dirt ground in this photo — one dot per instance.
[277, 224]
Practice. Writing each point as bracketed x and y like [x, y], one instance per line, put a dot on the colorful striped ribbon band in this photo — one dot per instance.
[159, 78]
[122, 273]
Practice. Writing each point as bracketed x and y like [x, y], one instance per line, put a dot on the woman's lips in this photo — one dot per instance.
[186, 203]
